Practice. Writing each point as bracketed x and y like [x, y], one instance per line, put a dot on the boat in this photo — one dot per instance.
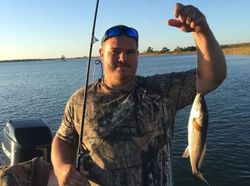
[63, 58]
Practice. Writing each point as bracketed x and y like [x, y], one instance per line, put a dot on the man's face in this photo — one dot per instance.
[119, 57]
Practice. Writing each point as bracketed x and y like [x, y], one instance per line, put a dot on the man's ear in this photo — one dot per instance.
[101, 52]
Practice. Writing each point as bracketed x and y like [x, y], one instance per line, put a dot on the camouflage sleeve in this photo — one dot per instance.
[67, 130]
[179, 88]
[183, 88]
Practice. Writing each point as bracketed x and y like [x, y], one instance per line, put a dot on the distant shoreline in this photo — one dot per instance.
[232, 49]
[33, 60]
[237, 49]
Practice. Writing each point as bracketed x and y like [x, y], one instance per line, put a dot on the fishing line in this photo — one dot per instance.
[82, 149]
[100, 20]
[98, 61]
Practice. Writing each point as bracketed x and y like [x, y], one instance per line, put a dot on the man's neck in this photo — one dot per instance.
[119, 85]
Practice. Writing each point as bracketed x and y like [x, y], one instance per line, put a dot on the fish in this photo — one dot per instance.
[197, 135]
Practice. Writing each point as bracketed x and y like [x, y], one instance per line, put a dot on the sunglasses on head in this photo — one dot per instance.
[119, 31]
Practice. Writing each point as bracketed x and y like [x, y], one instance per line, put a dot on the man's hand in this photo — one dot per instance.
[69, 176]
[62, 157]
[189, 19]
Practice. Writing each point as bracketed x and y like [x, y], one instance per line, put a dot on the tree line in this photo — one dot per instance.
[167, 50]
[192, 48]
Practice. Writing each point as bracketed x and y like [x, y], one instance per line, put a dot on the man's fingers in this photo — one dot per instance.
[178, 9]
[177, 23]
[189, 18]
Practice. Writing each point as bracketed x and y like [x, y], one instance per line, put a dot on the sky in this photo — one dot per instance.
[35, 29]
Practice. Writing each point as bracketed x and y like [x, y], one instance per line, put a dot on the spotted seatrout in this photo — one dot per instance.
[197, 133]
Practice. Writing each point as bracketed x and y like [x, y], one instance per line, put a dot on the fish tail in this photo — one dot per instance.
[198, 175]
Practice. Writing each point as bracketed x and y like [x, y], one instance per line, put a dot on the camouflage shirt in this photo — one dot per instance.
[129, 132]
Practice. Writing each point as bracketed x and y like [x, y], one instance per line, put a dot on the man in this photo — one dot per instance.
[129, 119]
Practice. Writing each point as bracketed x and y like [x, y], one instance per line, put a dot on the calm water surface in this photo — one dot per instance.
[41, 89]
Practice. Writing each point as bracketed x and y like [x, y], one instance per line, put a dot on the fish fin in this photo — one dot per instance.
[202, 155]
[196, 125]
[198, 175]
[185, 153]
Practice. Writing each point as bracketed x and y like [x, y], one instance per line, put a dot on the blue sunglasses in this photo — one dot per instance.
[119, 31]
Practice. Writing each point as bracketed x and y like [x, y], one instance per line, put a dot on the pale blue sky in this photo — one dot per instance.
[50, 28]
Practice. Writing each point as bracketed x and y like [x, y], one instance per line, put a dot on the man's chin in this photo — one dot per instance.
[122, 69]
[125, 78]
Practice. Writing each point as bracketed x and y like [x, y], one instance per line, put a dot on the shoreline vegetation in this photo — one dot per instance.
[229, 49]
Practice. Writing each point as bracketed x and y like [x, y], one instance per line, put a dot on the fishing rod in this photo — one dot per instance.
[82, 150]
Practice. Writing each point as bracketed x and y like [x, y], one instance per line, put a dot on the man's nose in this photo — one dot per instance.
[123, 56]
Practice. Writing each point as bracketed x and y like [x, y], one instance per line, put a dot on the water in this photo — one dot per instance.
[40, 90]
